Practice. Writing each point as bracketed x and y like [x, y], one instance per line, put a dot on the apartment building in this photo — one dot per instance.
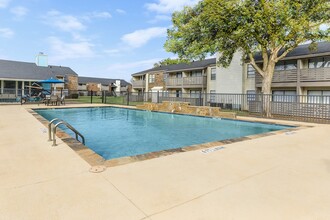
[116, 86]
[16, 76]
[185, 79]
[19, 77]
[301, 72]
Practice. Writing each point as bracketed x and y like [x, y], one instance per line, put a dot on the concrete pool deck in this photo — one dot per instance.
[284, 176]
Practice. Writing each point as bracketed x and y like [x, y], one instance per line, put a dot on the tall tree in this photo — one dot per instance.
[270, 27]
[169, 61]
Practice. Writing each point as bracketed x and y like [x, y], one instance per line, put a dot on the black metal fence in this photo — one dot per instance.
[291, 107]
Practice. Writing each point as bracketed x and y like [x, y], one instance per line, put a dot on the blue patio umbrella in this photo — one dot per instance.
[50, 81]
[47, 84]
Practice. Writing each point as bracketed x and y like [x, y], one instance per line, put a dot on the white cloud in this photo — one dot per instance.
[62, 50]
[63, 22]
[169, 6]
[103, 14]
[6, 33]
[113, 52]
[4, 3]
[19, 11]
[120, 11]
[160, 18]
[139, 38]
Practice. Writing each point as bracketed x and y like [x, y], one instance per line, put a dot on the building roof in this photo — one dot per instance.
[30, 71]
[103, 81]
[180, 67]
[303, 51]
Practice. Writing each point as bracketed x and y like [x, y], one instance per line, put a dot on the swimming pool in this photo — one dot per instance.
[119, 132]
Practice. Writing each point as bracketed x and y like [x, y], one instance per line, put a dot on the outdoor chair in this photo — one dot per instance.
[53, 100]
[62, 100]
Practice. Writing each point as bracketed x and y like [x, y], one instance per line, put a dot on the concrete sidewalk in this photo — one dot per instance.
[285, 176]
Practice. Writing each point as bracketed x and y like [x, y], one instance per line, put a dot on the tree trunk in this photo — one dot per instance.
[266, 89]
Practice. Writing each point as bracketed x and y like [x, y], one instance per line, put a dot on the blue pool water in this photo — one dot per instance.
[117, 132]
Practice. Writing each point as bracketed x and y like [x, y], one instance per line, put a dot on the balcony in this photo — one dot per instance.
[186, 82]
[306, 75]
[139, 84]
[285, 76]
[315, 75]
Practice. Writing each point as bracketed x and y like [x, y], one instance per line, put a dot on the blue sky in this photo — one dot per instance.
[100, 38]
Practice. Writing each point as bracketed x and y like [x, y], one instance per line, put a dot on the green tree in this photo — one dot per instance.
[169, 61]
[272, 28]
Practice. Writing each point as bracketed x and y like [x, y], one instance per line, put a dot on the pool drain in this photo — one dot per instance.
[97, 169]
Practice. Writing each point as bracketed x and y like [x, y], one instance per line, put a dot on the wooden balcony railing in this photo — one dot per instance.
[313, 75]
[198, 81]
[306, 75]
[281, 76]
[139, 83]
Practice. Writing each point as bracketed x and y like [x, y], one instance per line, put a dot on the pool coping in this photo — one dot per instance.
[94, 159]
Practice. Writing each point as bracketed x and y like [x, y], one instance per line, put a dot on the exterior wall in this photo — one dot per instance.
[212, 84]
[72, 82]
[93, 87]
[249, 82]
[82, 87]
[158, 81]
[229, 80]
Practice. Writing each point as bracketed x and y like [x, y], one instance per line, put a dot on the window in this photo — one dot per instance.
[195, 93]
[251, 72]
[9, 84]
[284, 96]
[290, 64]
[19, 84]
[319, 62]
[179, 75]
[213, 74]
[178, 93]
[327, 61]
[196, 73]
[286, 65]
[212, 96]
[151, 78]
[251, 95]
[165, 76]
[322, 97]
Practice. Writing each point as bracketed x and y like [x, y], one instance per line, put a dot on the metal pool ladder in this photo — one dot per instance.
[60, 122]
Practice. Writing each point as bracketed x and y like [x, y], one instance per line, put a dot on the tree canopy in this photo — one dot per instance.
[227, 26]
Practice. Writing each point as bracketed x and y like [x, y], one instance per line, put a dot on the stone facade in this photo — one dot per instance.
[185, 108]
[72, 83]
[93, 87]
[159, 80]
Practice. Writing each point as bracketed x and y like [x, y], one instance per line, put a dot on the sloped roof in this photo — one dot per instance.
[303, 51]
[103, 81]
[180, 67]
[30, 71]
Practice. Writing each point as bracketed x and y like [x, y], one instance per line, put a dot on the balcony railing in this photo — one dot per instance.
[306, 75]
[281, 76]
[198, 81]
[317, 74]
[139, 83]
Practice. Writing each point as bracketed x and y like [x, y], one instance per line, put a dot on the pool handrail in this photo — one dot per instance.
[50, 128]
[77, 133]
